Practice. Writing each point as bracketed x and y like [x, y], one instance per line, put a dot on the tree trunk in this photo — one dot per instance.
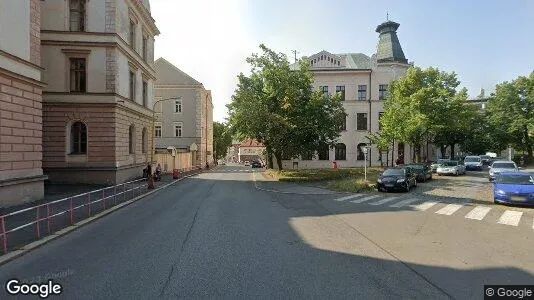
[442, 149]
[269, 156]
[528, 146]
[417, 152]
[278, 157]
[452, 151]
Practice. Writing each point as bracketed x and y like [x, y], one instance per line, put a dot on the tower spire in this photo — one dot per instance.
[387, 16]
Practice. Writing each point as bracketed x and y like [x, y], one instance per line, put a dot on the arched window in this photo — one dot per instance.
[341, 152]
[323, 152]
[78, 138]
[145, 140]
[131, 139]
[360, 155]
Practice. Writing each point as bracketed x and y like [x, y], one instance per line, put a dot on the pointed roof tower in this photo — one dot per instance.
[389, 48]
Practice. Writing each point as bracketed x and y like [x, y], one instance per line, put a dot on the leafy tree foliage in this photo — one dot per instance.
[511, 111]
[278, 107]
[222, 139]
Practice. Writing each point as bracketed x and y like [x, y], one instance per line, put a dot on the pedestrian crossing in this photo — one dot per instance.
[508, 217]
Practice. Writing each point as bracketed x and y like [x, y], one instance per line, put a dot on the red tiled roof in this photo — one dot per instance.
[251, 143]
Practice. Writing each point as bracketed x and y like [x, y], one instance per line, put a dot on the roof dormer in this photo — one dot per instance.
[326, 59]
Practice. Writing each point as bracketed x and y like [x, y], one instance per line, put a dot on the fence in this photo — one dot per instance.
[21, 227]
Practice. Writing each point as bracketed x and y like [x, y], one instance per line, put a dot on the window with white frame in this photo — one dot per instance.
[362, 92]
[178, 129]
[178, 106]
[157, 130]
[341, 89]
[382, 91]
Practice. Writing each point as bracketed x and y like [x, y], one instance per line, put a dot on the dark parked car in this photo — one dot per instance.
[396, 179]
[256, 164]
[422, 171]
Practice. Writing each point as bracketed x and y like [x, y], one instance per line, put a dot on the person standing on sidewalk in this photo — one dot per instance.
[150, 177]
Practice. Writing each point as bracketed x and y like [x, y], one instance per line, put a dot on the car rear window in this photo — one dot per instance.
[515, 179]
[450, 163]
[503, 166]
[472, 159]
[394, 172]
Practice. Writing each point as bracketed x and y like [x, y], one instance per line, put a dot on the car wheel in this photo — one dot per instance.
[407, 188]
[415, 183]
[456, 174]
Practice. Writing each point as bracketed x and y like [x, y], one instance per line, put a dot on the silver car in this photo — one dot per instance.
[435, 165]
[501, 166]
[451, 167]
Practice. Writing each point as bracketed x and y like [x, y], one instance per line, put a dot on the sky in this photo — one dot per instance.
[485, 42]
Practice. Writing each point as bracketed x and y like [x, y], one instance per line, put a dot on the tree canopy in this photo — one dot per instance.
[222, 139]
[278, 107]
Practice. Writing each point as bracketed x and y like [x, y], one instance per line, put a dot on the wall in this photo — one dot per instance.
[124, 119]
[181, 161]
[15, 39]
[57, 69]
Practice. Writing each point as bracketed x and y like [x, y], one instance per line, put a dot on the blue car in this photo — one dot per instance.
[514, 188]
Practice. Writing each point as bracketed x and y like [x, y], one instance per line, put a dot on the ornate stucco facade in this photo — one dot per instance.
[97, 106]
[21, 174]
[364, 82]
[184, 114]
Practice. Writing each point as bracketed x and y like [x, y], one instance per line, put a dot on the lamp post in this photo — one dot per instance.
[152, 150]
[365, 150]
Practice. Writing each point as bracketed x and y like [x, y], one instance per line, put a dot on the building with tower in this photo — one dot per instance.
[363, 81]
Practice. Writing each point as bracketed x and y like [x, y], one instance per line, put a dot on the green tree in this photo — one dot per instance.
[278, 107]
[222, 139]
[511, 108]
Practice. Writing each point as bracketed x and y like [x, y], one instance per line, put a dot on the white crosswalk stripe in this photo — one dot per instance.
[404, 202]
[424, 206]
[383, 201]
[348, 197]
[449, 209]
[478, 213]
[532, 224]
[510, 217]
[365, 199]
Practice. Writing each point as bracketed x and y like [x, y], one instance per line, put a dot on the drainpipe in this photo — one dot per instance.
[370, 116]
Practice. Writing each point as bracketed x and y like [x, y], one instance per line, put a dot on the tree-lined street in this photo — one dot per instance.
[220, 235]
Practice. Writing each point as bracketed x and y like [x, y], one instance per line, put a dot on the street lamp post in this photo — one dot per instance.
[365, 150]
[152, 150]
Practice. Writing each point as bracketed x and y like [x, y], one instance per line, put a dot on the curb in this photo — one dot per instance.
[36, 244]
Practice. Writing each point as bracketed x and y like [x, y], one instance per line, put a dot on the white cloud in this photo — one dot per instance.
[207, 40]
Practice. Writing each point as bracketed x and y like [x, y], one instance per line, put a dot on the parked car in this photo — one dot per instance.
[256, 164]
[396, 179]
[486, 159]
[422, 171]
[473, 163]
[501, 166]
[247, 163]
[451, 168]
[514, 188]
[434, 166]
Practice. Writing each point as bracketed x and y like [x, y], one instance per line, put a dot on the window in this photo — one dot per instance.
[341, 89]
[132, 34]
[323, 152]
[341, 152]
[145, 94]
[325, 90]
[144, 45]
[178, 106]
[343, 125]
[132, 86]
[360, 155]
[178, 129]
[157, 130]
[382, 91]
[144, 137]
[131, 139]
[362, 92]
[380, 114]
[78, 138]
[77, 15]
[361, 121]
[77, 75]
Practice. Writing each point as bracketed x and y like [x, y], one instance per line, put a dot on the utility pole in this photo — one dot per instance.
[295, 53]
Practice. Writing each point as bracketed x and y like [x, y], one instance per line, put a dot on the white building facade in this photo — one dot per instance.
[364, 83]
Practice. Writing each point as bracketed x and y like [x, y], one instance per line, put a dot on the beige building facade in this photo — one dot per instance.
[21, 173]
[184, 113]
[363, 80]
[97, 105]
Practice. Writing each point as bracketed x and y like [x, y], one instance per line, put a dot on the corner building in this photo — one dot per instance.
[363, 81]
[98, 58]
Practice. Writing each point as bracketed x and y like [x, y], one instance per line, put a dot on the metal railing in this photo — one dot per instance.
[23, 226]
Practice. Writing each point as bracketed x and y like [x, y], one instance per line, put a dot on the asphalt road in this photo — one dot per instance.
[219, 235]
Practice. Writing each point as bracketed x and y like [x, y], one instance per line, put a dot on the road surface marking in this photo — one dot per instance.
[510, 217]
[449, 209]
[533, 224]
[385, 200]
[365, 199]
[424, 206]
[349, 197]
[404, 202]
[478, 213]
